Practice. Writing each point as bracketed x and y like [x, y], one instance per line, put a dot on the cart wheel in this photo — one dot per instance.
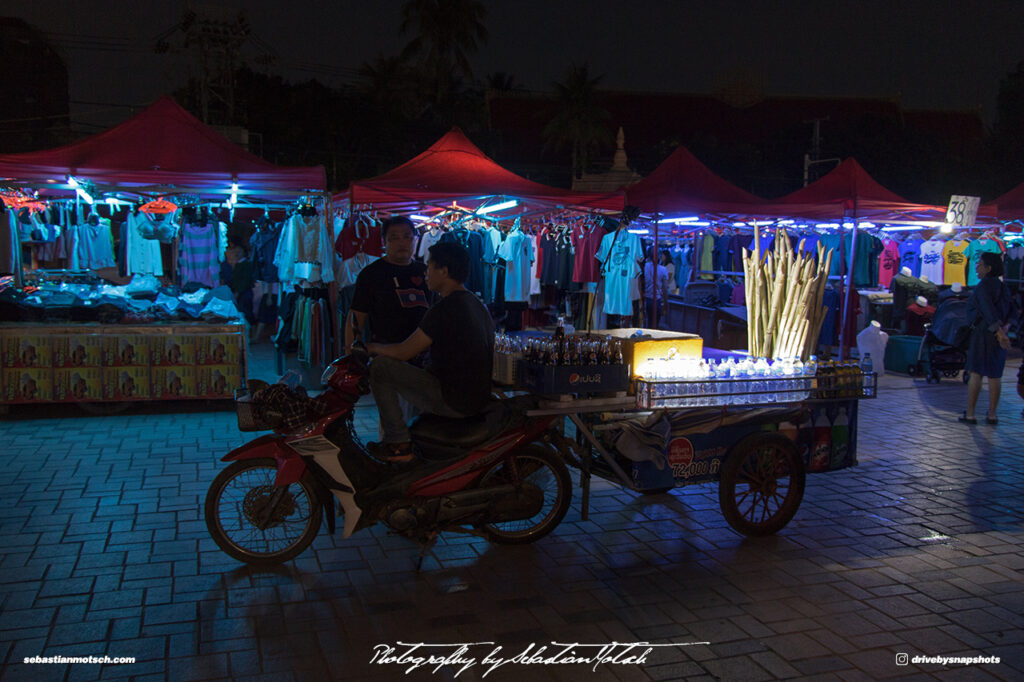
[762, 484]
[912, 370]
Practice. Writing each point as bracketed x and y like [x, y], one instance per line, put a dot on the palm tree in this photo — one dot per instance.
[501, 81]
[580, 124]
[446, 32]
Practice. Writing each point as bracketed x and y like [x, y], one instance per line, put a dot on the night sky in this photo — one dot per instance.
[937, 54]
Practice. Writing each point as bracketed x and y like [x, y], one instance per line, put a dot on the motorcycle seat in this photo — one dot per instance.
[458, 432]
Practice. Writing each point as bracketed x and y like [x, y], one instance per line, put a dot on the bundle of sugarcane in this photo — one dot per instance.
[785, 294]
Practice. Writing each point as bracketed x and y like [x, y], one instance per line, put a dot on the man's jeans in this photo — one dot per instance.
[391, 379]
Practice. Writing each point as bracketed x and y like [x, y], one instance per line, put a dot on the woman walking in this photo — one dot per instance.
[988, 311]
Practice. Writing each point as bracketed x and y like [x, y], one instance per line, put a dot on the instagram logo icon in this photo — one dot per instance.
[902, 659]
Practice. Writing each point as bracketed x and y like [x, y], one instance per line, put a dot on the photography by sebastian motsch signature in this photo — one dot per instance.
[465, 655]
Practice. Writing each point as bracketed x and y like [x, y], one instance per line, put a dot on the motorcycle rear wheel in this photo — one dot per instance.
[235, 497]
[548, 472]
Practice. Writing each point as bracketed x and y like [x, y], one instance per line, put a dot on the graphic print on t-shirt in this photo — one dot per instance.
[955, 255]
[932, 263]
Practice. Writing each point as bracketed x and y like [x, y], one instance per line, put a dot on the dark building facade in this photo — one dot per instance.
[34, 111]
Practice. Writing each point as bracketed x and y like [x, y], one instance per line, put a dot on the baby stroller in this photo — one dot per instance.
[937, 356]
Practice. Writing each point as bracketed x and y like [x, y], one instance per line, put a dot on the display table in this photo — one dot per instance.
[92, 362]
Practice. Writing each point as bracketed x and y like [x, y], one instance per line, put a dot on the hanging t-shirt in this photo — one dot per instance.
[537, 265]
[428, 239]
[142, 255]
[619, 253]
[723, 253]
[586, 242]
[910, 256]
[304, 251]
[707, 256]
[198, 257]
[361, 235]
[974, 251]
[548, 264]
[865, 260]
[954, 255]
[491, 240]
[1014, 264]
[888, 262]
[263, 246]
[517, 252]
[933, 264]
[831, 243]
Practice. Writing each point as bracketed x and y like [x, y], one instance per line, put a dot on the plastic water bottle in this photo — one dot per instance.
[810, 372]
[801, 384]
[866, 369]
[761, 371]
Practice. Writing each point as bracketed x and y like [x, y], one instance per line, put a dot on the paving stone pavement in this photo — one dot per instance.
[917, 550]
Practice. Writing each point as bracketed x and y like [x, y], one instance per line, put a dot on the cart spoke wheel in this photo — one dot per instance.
[762, 484]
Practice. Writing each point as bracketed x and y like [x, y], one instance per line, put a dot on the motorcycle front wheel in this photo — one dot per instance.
[538, 466]
[237, 506]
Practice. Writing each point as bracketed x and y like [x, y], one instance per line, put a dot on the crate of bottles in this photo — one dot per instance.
[548, 379]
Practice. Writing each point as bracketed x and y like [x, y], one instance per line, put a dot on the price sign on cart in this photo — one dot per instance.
[962, 211]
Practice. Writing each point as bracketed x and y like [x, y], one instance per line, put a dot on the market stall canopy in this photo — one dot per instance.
[161, 146]
[453, 168]
[682, 184]
[848, 190]
[1009, 206]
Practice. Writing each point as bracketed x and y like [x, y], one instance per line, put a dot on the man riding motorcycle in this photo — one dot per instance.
[460, 335]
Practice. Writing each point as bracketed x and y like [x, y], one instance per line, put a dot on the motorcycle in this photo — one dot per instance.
[496, 475]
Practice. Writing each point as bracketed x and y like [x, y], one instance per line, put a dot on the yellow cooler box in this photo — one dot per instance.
[652, 345]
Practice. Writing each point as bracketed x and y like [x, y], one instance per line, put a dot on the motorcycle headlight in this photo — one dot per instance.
[328, 373]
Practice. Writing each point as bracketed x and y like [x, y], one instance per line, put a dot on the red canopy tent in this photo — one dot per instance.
[453, 168]
[682, 184]
[848, 190]
[1009, 206]
[161, 150]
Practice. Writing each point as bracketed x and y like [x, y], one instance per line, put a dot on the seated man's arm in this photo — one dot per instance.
[417, 342]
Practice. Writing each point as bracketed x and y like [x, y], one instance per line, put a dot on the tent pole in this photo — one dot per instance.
[654, 275]
[847, 282]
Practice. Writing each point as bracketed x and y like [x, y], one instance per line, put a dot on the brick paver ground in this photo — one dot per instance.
[918, 550]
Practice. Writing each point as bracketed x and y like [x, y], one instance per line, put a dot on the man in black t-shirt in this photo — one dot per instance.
[391, 293]
[460, 335]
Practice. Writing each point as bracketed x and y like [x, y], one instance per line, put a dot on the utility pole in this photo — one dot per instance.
[814, 156]
[214, 37]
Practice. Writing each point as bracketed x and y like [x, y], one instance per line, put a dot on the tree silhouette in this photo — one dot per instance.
[580, 124]
[445, 33]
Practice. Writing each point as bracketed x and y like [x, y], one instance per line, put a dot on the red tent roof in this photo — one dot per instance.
[454, 168]
[683, 184]
[1009, 206]
[161, 145]
[848, 190]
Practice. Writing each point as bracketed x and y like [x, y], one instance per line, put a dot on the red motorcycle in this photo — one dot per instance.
[495, 475]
